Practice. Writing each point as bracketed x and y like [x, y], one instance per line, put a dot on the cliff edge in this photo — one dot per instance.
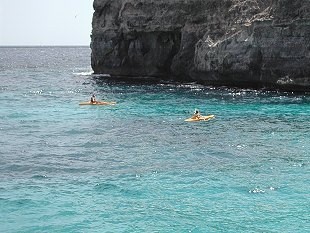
[249, 43]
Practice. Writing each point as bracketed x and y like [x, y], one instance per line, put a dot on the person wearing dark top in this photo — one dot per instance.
[93, 99]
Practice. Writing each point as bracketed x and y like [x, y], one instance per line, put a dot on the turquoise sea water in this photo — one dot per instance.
[137, 166]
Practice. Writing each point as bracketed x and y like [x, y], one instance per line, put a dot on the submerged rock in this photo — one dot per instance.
[252, 43]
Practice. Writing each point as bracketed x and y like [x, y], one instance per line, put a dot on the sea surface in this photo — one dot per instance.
[138, 166]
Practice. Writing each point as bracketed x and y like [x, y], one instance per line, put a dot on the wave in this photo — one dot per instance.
[84, 73]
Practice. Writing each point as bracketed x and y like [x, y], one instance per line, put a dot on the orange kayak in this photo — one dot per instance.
[202, 118]
[97, 103]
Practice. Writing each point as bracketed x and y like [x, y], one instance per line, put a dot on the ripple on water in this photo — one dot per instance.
[39, 177]
[106, 187]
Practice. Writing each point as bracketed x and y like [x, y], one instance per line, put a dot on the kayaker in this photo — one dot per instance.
[196, 114]
[93, 99]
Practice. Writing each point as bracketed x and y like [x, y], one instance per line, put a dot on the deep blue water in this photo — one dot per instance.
[137, 166]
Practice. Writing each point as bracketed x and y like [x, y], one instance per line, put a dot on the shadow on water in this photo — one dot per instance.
[226, 92]
[106, 79]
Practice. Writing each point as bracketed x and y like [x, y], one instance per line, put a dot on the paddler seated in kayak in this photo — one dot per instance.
[93, 99]
[196, 115]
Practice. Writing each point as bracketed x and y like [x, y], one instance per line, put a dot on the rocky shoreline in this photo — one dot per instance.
[245, 43]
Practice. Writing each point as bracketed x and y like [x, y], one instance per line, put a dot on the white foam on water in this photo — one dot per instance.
[84, 73]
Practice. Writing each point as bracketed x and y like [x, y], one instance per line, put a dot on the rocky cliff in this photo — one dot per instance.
[252, 43]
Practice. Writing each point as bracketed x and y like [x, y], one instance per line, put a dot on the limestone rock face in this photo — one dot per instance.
[251, 43]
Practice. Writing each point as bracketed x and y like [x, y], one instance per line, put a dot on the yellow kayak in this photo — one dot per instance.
[97, 103]
[201, 118]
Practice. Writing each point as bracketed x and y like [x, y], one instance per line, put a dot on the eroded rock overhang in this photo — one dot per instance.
[257, 43]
